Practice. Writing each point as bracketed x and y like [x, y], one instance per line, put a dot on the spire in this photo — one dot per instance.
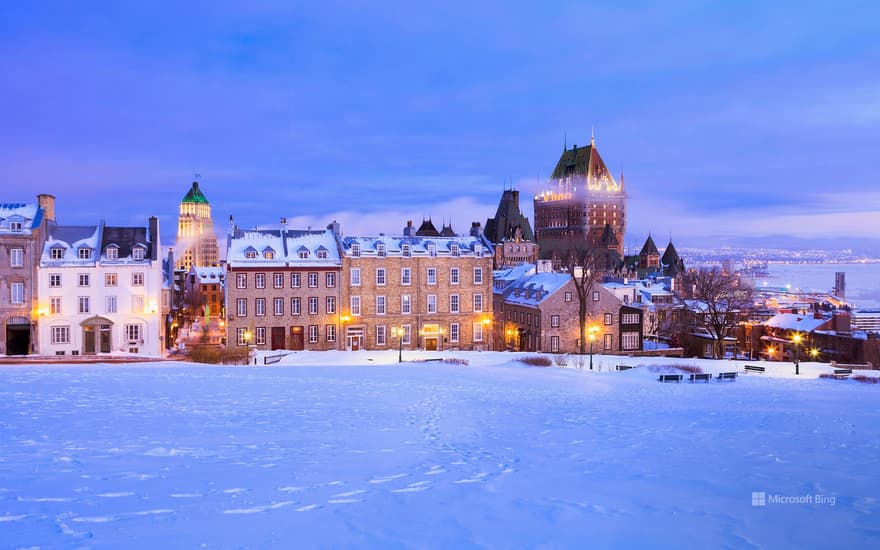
[592, 135]
[565, 142]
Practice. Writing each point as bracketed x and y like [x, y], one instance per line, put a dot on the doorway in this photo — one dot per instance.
[430, 344]
[18, 336]
[354, 337]
[105, 338]
[297, 338]
[277, 338]
[89, 340]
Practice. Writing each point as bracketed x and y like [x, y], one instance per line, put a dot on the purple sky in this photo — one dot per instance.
[748, 118]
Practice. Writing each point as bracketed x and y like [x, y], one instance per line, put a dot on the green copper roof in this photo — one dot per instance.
[195, 195]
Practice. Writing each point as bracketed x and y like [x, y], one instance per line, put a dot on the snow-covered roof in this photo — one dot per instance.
[505, 277]
[29, 215]
[208, 275]
[70, 239]
[282, 247]
[795, 322]
[418, 246]
[532, 289]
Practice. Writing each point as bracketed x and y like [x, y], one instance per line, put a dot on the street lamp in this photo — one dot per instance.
[797, 342]
[814, 353]
[486, 322]
[398, 332]
[592, 336]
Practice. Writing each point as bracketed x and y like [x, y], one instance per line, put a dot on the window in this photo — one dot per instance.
[453, 303]
[331, 305]
[110, 279]
[453, 332]
[453, 276]
[432, 250]
[331, 280]
[356, 277]
[16, 293]
[380, 305]
[629, 319]
[609, 340]
[137, 303]
[54, 280]
[110, 304]
[137, 278]
[112, 252]
[260, 280]
[261, 336]
[478, 275]
[260, 307]
[83, 304]
[137, 253]
[84, 279]
[478, 249]
[84, 253]
[16, 257]
[595, 295]
[554, 344]
[406, 250]
[629, 340]
[432, 303]
[241, 336]
[241, 280]
[322, 254]
[455, 250]
[380, 335]
[406, 276]
[278, 280]
[330, 331]
[405, 304]
[269, 254]
[241, 307]
[432, 275]
[355, 305]
[56, 253]
[356, 250]
[61, 335]
[568, 296]
[313, 306]
[478, 332]
[407, 334]
[15, 226]
[380, 277]
[380, 250]
[478, 303]
[303, 254]
[250, 255]
[132, 332]
[313, 279]
[295, 306]
[554, 321]
[609, 318]
[295, 280]
[313, 334]
[55, 305]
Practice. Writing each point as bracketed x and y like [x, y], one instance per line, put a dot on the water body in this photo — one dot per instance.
[862, 280]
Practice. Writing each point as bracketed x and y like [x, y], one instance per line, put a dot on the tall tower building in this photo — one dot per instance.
[583, 206]
[196, 240]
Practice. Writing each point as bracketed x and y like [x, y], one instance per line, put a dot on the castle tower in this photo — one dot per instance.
[196, 240]
[581, 200]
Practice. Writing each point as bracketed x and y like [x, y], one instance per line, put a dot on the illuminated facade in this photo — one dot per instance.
[196, 240]
[584, 204]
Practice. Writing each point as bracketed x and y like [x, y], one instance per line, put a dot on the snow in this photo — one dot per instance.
[792, 321]
[353, 449]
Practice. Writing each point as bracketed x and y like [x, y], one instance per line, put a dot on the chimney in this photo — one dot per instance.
[335, 227]
[47, 203]
[283, 224]
[842, 322]
[476, 229]
[154, 238]
[817, 314]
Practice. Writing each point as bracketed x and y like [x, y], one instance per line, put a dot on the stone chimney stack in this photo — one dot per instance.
[476, 229]
[47, 203]
[154, 238]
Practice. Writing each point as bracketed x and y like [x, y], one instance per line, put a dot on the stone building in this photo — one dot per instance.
[511, 233]
[429, 293]
[196, 239]
[23, 229]
[283, 289]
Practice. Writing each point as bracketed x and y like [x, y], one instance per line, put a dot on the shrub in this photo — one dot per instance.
[673, 368]
[866, 379]
[561, 360]
[219, 356]
[580, 361]
[456, 361]
[536, 361]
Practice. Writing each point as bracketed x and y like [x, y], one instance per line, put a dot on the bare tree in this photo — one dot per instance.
[727, 299]
[581, 265]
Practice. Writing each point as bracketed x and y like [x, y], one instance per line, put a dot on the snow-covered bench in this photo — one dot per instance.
[670, 378]
[623, 367]
[754, 368]
[842, 371]
[705, 377]
[726, 376]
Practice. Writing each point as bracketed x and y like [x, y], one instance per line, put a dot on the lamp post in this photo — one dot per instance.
[814, 353]
[486, 324]
[796, 339]
[398, 332]
[592, 336]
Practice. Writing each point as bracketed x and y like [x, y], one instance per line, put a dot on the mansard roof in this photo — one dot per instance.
[608, 237]
[649, 249]
[508, 218]
[126, 238]
[427, 229]
[286, 245]
[195, 195]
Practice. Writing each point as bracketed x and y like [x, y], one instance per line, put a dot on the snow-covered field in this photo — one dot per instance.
[494, 454]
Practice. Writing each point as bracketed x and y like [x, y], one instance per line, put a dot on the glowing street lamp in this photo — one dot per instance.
[398, 332]
[486, 322]
[814, 353]
[796, 339]
[592, 336]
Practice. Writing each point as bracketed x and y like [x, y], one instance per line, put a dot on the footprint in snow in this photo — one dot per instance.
[234, 490]
[308, 507]
[475, 479]
[414, 487]
[386, 479]
[351, 493]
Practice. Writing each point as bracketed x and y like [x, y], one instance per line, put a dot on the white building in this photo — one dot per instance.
[100, 291]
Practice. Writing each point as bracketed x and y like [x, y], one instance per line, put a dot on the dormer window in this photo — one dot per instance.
[84, 253]
[455, 250]
[137, 253]
[380, 250]
[321, 254]
[15, 226]
[56, 253]
[356, 250]
[112, 252]
[478, 249]
[406, 250]
[303, 254]
[432, 250]
[269, 254]
[250, 254]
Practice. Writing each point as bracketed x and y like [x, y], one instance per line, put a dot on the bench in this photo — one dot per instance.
[726, 376]
[699, 376]
[754, 368]
[272, 359]
[670, 378]
[842, 371]
[623, 367]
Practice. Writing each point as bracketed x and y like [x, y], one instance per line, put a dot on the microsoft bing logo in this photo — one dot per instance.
[759, 498]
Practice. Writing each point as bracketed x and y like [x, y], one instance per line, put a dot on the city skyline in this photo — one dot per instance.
[742, 121]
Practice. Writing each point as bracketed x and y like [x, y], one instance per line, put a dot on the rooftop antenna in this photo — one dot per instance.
[565, 142]
[592, 135]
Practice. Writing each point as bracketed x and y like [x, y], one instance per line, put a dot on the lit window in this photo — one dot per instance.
[110, 279]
